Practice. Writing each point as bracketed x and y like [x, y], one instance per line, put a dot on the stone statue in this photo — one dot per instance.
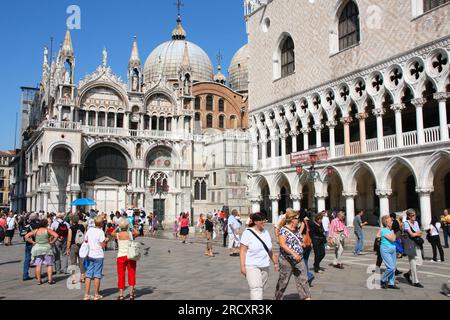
[67, 77]
[134, 82]
[105, 57]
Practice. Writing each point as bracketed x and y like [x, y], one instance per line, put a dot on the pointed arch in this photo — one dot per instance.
[385, 181]
[432, 164]
[351, 178]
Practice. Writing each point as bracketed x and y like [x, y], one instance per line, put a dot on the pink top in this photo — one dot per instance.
[3, 223]
[184, 222]
[336, 226]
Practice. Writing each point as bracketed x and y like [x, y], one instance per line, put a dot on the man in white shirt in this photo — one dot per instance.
[233, 233]
[326, 225]
[11, 225]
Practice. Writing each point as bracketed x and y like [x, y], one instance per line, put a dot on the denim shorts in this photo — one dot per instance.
[95, 268]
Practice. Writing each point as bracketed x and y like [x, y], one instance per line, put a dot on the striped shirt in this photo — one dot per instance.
[336, 226]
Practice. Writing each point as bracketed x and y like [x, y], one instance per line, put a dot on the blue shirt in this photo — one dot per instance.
[408, 224]
[384, 241]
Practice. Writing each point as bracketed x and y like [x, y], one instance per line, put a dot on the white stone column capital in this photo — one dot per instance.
[346, 120]
[305, 130]
[418, 102]
[349, 195]
[362, 116]
[332, 124]
[378, 112]
[296, 197]
[425, 191]
[321, 195]
[294, 133]
[441, 96]
[383, 193]
[275, 198]
[318, 127]
[399, 107]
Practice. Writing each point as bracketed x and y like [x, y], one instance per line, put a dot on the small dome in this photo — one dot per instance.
[219, 77]
[167, 58]
[238, 70]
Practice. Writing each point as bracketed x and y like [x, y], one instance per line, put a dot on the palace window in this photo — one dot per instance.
[221, 105]
[222, 122]
[209, 103]
[197, 103]
[349, 30]
[209, 121]
[287, 57]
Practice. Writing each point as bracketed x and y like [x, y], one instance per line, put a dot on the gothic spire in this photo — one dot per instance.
[67, 48]
[134, 59]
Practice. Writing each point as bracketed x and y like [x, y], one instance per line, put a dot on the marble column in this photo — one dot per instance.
[378, 113]
[362, 131]
[418, 103]
[306, 132]
[321, 201]
[346, 121]
[256, 204]
[296, 201]
[398, 108]
[255, 155]
[442, 97]
[425, 205]
[283, 149]
[332, 125]
[275, 212]
[294, 135]
[318, 128]
[350, 206]
[45, 204]
[384, 195]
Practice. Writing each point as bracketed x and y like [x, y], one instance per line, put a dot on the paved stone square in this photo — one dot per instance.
[173, 271]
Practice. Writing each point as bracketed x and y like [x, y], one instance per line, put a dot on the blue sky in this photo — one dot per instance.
[26, 27]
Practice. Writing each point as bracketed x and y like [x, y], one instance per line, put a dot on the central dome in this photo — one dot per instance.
[167, 58]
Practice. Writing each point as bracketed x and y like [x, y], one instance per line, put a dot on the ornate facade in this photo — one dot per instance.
[116, 141]
[373, 89]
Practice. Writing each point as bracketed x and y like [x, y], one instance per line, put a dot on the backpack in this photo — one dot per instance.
[79, 237]
[62, 231]
[307, 241]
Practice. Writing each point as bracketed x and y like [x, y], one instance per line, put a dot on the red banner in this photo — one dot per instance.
[309, 156]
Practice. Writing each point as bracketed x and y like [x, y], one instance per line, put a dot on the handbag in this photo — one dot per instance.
[307, 241]
[418, 240]
[84, 249]
[134, 249]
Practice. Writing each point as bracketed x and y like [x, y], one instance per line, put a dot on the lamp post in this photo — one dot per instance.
[160, 190]
[312, 174]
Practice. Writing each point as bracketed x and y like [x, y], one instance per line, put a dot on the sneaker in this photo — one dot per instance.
[408, 278]
[418, 285]
[383, 285]
[397, 273]
[439, 261]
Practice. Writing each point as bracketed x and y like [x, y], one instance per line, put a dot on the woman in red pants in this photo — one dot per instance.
[124, 234]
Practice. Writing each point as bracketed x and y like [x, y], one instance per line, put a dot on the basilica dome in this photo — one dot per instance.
[238, 70]
[167, 58]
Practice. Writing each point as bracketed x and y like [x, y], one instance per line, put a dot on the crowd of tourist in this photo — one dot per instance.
[59, 242]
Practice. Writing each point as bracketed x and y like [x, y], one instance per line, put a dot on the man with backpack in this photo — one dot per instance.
[74, 241]
[60, 249]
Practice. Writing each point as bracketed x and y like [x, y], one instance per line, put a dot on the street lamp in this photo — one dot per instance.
[160, 190]
[311, 174]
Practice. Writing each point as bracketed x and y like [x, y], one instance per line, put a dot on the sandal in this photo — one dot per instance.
[131, 297]
[87, 297]
[52, 282]
[98, 297]
[39, 283]
[120, 298]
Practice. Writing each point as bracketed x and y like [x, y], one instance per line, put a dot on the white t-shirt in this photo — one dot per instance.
[280, 220]
[10, 223]
[326, 223]
[95, 237]
[434, 232]
[256, 254]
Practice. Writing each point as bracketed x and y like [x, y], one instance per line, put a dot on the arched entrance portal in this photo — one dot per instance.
[60, 180]
[440, 198]
[335, 201]
[404, 195]
[105, 178]
[366, 198]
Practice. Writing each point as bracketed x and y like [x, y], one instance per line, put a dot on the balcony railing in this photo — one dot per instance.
[431, 135]
[121, 132]
[66, 125]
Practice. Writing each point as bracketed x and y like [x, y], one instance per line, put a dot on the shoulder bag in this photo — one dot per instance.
[134, 249]
[262, 241]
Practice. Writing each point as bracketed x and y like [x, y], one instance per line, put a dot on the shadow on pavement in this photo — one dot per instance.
[10, 262]
[143, 291]
[292, 296]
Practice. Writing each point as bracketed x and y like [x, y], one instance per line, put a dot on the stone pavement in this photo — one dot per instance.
[170, 270]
